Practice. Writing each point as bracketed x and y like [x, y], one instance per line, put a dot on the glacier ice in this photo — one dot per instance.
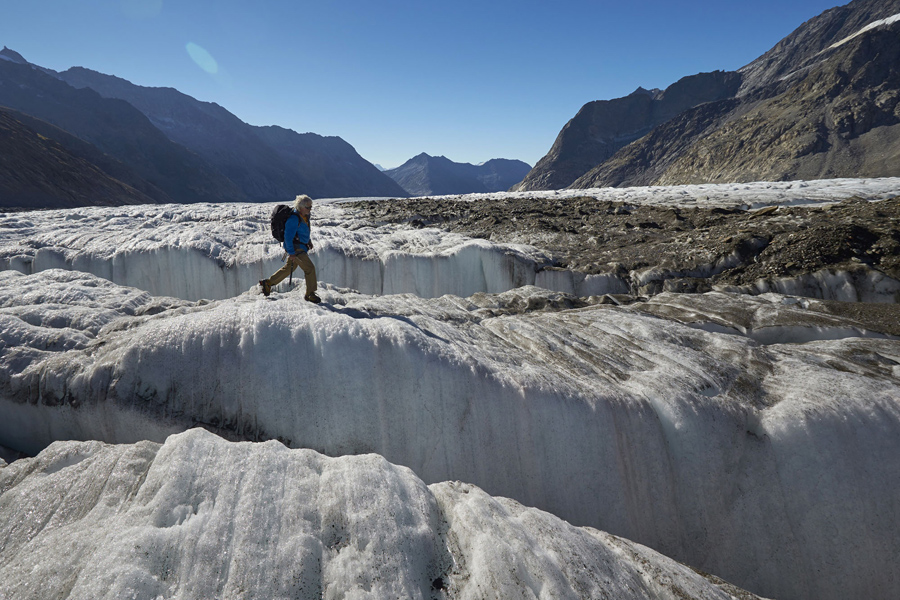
[205, 251]
[735, 457]
[754, 437]
[215, 252]
[91, 520]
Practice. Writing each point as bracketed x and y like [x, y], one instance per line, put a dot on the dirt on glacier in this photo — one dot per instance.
[698, 247]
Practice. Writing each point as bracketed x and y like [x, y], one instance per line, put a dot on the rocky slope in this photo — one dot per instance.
[821, 103]
[266, 163]
[842, 118]
[602, 127]
[425, 175]
[38, 172]
[806, 46]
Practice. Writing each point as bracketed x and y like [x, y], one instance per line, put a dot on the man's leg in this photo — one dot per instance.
[281, 274]
[309, 271]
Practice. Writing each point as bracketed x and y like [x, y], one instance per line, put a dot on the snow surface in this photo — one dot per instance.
[219, 251]
[748, 436]
[89, 520]
[747, 196]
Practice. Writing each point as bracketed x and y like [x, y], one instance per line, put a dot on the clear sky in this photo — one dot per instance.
[469, 80]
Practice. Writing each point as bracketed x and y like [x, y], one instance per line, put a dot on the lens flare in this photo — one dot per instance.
[203, 58]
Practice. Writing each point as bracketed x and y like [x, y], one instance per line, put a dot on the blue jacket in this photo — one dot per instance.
[296, 234]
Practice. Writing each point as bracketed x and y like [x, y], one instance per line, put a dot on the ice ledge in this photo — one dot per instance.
[87, 519]
[858, 284]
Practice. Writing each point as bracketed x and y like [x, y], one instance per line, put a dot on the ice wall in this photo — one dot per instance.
[474, 266]
[762, 464]
[213, 252]
[860, 285]
[199, 517]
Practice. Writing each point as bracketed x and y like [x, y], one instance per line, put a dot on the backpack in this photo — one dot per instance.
[279, 217]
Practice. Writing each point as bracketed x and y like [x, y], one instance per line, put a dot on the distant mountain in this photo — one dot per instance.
[330, 167]
[425, 175]
[824, 102]
[841, 119]
[168, 172]
[603, 127]
[38, 172]
[12, 56]
[166, 146]
[266, 163]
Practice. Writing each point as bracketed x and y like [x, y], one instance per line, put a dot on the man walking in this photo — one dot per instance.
[297, 245]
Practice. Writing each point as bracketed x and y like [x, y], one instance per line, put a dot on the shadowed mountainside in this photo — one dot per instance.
[38, 172]
[117, 129]
[267, 163]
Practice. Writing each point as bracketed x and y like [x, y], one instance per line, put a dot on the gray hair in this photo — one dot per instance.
[302, 201]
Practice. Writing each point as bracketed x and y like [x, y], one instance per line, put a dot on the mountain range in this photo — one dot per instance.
[822, 103]
[266, 163]
[137, 144]
[425, 175]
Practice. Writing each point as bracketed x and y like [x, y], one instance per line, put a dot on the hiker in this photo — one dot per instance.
[296, 244]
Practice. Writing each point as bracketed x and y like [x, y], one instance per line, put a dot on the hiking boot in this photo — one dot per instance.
[266, 288]
[312, 298]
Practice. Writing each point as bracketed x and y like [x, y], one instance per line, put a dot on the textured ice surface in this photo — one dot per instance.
[752, 195]
[772, 465]
[214, 252]
[219, 251]
[199, 517]
[767, 318]
[752, 437]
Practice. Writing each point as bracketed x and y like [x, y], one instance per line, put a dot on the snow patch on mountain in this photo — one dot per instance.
[875, 24]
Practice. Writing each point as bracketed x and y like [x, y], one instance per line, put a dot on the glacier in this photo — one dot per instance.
[219, 251]
[753, 437]
[214, 252]
[91, 520]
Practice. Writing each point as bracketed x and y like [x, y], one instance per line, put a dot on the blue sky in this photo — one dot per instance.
[469, 80]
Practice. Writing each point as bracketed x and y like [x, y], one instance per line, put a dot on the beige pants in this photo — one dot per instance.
[309, 271]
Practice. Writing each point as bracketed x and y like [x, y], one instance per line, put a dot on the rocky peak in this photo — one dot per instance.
[645, 92]
[602, 127]
[811, 43]
[12, 56]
